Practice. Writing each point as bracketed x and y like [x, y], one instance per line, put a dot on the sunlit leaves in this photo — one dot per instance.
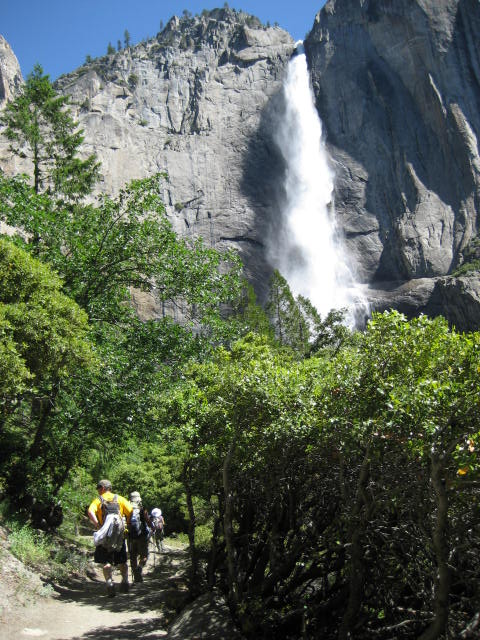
[47, 328]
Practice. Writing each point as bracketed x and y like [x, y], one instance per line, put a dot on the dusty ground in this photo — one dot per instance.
[31, 608]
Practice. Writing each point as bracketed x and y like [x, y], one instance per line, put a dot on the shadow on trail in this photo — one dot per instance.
[126, 631]
[162, 593]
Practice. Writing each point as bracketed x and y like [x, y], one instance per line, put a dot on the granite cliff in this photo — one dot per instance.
[10, 74]
[397, 86]
[192, 102]
[11, 81]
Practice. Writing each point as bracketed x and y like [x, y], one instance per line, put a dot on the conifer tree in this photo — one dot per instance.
[39, 124]
[284, 313]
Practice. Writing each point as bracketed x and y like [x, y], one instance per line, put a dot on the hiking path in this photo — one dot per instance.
[80, 608]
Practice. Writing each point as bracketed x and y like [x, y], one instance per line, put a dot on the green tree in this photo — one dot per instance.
[102, 251]
[248, 316]
[44, 338]
[126, 38]
[234, 415]
[341, 470]
[328, 333]
[38, 123]
[401, 406]
[285, 315]
[110, 49]
[298, 324]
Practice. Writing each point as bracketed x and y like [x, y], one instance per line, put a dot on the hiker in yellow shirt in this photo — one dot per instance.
[108, 502]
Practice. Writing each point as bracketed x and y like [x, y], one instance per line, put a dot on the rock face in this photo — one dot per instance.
[10, 75]
[397, 85]
[10, 82]
[192, 103]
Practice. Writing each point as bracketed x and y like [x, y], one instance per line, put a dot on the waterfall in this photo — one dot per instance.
[305, 246]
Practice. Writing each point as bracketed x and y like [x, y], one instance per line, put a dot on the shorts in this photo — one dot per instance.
[105, 556]
[138, 546]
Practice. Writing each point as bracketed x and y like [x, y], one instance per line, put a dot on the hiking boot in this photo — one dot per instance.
[110, 590]
[124, 587]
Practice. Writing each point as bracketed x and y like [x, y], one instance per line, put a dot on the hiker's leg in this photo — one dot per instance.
[123, 568]
[107, 572]
[120, 561]
[133, 559]
[136, 569]
[140, 558]
[134, 555]
[137, 574]
[143, 551]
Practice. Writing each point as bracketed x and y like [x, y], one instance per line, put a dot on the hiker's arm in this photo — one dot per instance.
[93, 517]
[92, 512]
[127, 510]
[147, 518]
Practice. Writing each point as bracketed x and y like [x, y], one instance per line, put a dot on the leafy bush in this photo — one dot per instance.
[471, 258]
[203, 537]
[65, 562]
[467, 268]
[133, 81]
[29, 546]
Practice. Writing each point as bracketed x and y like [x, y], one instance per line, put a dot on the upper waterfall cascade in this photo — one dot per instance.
[306, 247]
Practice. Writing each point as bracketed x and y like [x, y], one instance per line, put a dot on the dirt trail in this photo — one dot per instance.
[82, 611]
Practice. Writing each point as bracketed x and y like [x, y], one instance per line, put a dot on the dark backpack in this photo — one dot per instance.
[158, 523]
[109, 506]
[137, 523]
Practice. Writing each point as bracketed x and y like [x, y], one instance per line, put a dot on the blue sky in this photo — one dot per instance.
[59, 34]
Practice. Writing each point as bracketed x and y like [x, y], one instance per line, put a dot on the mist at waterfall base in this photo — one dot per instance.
[305, 246]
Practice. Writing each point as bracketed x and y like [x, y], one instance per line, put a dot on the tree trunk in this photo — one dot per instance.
[36, 169]
[42, 407]
[440, 545]
[228, 528]
[357, 569]
[212, 563]
[191, 527]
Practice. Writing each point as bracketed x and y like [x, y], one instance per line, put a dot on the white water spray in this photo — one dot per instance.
[307, 250]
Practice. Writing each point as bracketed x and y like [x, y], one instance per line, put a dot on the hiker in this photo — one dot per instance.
[107, 512]
[158, 525]
[138, 533]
